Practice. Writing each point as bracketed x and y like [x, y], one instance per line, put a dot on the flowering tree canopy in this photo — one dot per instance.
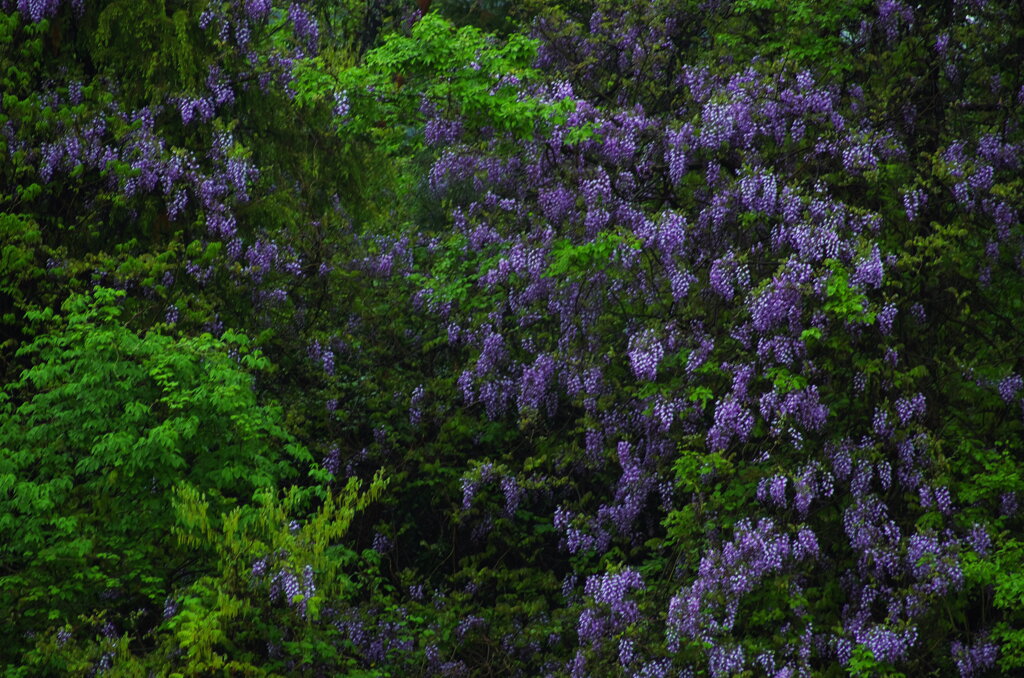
[662, 338]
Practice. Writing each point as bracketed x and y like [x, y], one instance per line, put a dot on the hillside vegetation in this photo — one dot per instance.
[647, 338]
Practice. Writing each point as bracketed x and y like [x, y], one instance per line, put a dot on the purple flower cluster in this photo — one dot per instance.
[909, 408]
[286, 586]
[974, 660]
[732, 420]
[913, 201]
[707, 610]
[37, 10]
[1010, 386]
[304, 25]
[613, 607]
[535, 381]
[323, 355]
[645, 352]
[378, 637]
